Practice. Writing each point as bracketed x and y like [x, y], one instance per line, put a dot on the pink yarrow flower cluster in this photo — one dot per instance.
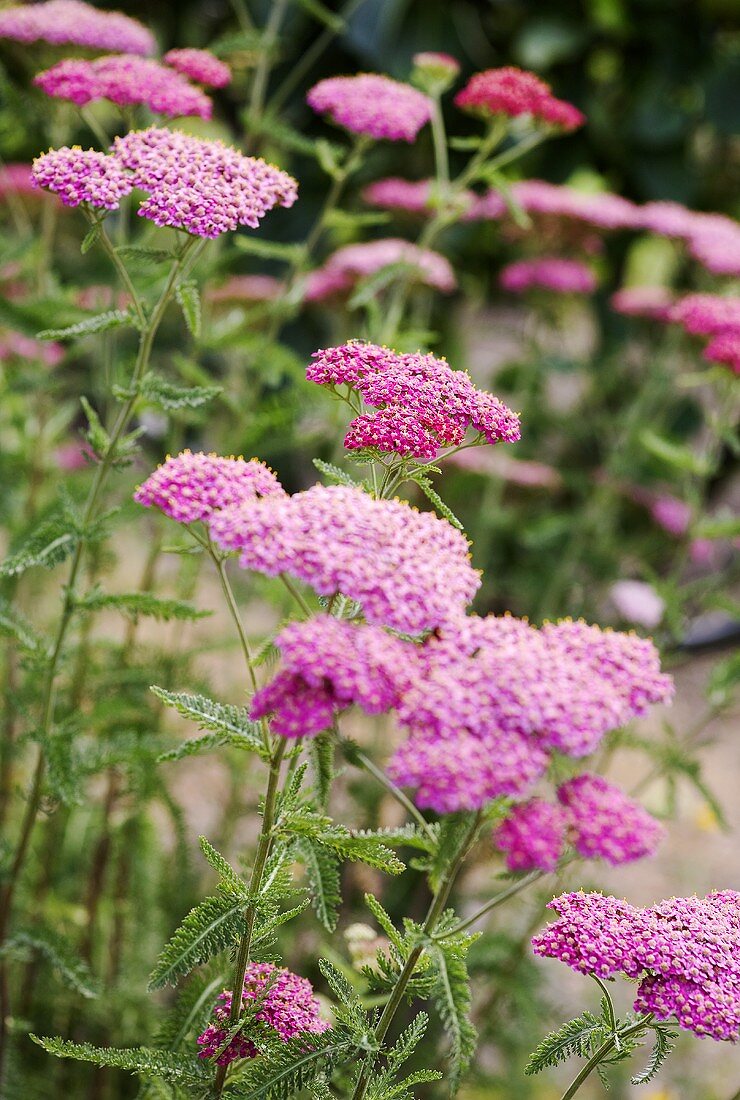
[504, 695]
[514, 92]
[246, 288]
[715, 316]
[191, 487]
[548, 273]
[201, 66]
[202, 187]
[288, 1007]
[409, 570]
[602, 210]
[684, 953]
[651, 302]
[327, 666]
[423, 404]
[16, 345]
[73, 23]
[16, 179]
[373, 105]
[412, 196]
[712, 239]
[345, 267]
[126, 80]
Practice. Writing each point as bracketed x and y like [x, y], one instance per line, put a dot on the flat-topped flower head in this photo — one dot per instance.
[513, 92]
[655, 303]
[373, 105]
[434, 72]
[532, 836]
[409, 570]
[712, 239]
[246, 288]
[602, 210]
[82, 175]
[685, 952]
[548, 273]
[423, 404]
[413, 196]
[201, 66]
[128, 81]
[707, 314]
[191, 487]
[288, 1008]
[328, 665]
[725, 349]
[604, 823]
[74, 23]
[204, 187]
[345, 267]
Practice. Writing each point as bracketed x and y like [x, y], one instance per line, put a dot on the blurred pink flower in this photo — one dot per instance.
[548, 273]
[514, 92]
[246, 288]
[637, 602]
[652, 302]
[673, 515]
[371, 104]
[348, 265]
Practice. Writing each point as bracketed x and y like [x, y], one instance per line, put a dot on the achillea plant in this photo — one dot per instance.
[370, 710]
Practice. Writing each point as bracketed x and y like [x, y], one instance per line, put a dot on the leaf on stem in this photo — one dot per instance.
[208, 929]
[101, 322]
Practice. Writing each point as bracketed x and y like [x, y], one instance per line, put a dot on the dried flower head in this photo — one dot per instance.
[74, 23]
[191, 487]
[685, 952]
[82, 175]
[373, 105]
[126, 80]
[548, 273]
[514, 92]
[201, 66]
[424, 404]
[409, 570]
[288, 1007]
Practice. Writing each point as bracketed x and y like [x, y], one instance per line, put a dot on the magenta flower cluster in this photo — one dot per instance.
[191, 487]
[199, 65]
[288, 1007]
[503, 696]
[409, 570]
[373, 105]
[345, 267]
[203, 187]
[423, 403]
[715, 316]
[595, 816]
[412, 196]
[128, 81]
[548, 273]
[684, 952]
[514, 92]
[328, 665]
[74, 23]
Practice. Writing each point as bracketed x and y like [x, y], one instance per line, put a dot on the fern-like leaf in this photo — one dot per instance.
[160, 1063]
[134, 604]
[433, 496]
[231, 881]
[451, 996]
[322, 871]
[211, 927]
[283, 1071]
[576, 1037]
[231, 723]
[73, 970]
[663, 1046]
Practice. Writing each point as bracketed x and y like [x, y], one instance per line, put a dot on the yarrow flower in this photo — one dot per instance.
[706, 314]
[423, 403]
[191, 487]
[348, 265]
[602, 210]
[16, 179]
[409, 570]
[652, 302]
[712, 239]
[246, 288]
[725, 349]
[549, 273]
[126, 80]
[373, 105]
[520, 693]
[532, 835]
[288, 1007]
[684, 952]
[514, 92]
[327, 666]
[199, 65]
[637, 602]
[82, 175]
[73, 23]
[605, 823]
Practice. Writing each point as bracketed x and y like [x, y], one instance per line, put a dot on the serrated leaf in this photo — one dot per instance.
[144, 255]
[171, 396]
[286, 1069]
[90, 238]
[334, 473]
[431, 494]
[101, 322]
[51, 542]
[135, 1060]
[95, 434]
[73, 970]
[576, 1037]
[232, 723]
[662, 1048]
[188, 298]
[322, 872]
[361, 848]
[230, 879]
[384, 921]
[321, 749]
[451, 996]
[209, 928]
[135, 604]
[15, 625]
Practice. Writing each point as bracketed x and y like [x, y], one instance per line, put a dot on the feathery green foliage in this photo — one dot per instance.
[210, 927]
[159, 1063]
[231, 723]
[663, 1046]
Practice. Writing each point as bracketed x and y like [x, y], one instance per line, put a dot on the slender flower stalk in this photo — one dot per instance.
[601, 1053]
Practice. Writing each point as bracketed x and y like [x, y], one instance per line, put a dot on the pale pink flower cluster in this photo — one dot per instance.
[16, 345]
[637, 602]
[712, 239]
[412, 196]
[373, 105]
[602, 209]
[423, 404]
[201, 66]
[327, 666]
[684, 952]
[652, 302]
[409, 570]
[288, 1008]
[203, 187]
[503, 696]
[514, 92]
[74, 23]
[16, 179]
[348, 265]
[246, 288]
[191, 487]
[554, 273]
[128, 81]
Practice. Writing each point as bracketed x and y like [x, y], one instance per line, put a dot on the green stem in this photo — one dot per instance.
[436, 908]
[123, 274]
[255, 883]
[262, 72]
[598, 1056]
[439, 139]
[296, 594]
[356, 756]
[220, 564]
[499, 899]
